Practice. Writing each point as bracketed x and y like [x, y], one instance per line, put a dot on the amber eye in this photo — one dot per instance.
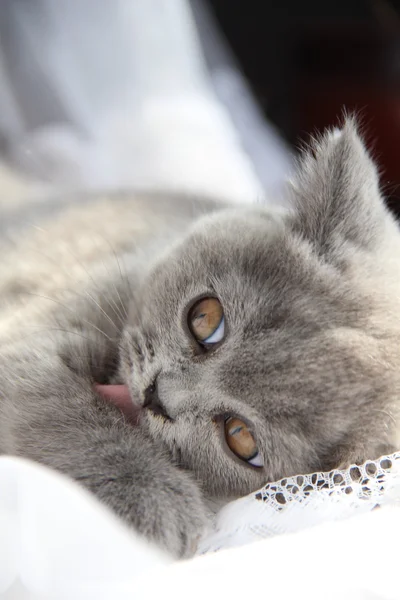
[206, 321]
[241, 441]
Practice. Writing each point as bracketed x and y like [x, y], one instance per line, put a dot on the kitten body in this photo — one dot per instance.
[310, 358]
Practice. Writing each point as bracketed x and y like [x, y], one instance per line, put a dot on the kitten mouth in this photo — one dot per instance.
[159, 417]
[119, 396]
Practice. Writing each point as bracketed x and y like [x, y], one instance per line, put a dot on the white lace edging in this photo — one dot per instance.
[294, 503]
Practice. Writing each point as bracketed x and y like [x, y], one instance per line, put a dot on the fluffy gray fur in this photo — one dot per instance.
[311, 356]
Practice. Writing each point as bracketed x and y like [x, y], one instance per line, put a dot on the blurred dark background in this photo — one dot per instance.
[309, 61]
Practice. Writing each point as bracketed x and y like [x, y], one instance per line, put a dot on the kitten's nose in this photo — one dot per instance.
[152, 401]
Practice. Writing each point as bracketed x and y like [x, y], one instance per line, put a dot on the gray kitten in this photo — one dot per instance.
[258, 344]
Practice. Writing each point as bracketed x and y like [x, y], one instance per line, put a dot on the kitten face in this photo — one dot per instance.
[307, 360]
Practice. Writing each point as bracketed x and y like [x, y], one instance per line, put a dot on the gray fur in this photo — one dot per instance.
[311, 357]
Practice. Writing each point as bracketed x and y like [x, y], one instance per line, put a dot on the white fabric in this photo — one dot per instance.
[101, 95]
[307, 500]
[58, 543]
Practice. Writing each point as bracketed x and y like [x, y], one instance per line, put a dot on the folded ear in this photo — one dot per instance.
[336, 193]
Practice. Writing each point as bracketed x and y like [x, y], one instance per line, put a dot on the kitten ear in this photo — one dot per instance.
[336, 192]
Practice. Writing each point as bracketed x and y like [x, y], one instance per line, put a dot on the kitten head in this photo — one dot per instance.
[265, 344]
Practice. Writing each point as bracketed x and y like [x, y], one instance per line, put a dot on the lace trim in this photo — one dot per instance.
[305, 500]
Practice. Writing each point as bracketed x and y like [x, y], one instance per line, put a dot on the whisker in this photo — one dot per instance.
[116, 309]
[125, 312]
[102, 310]
[71, 311]
[113, 305]
[387, 414]
[34, 226]
[90, 297]
[46, 329]
[123, 278]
